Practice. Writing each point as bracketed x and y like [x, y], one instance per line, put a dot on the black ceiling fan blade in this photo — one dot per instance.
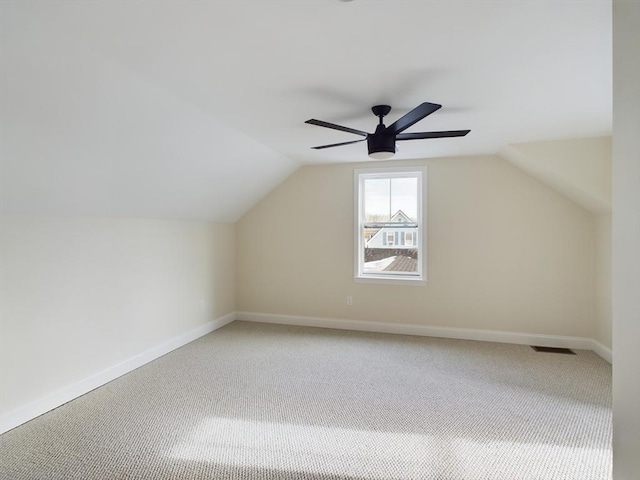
[414, 116]
[421, 135]
[320, 123]
[338, 144]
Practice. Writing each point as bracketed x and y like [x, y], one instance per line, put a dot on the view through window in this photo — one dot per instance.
[389, 237]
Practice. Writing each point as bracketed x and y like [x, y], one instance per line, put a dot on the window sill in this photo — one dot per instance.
[387, 280]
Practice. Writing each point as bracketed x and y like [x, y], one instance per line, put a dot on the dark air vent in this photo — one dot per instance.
[565, 351]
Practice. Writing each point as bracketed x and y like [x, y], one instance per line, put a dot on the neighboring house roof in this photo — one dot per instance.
[403, 264]
[400, 217]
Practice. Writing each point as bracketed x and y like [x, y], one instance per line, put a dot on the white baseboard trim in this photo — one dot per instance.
[579, 343]
[53, 400]
[600, 349]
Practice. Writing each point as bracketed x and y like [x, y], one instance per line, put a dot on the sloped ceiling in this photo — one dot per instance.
[580, 168]
[195, 109]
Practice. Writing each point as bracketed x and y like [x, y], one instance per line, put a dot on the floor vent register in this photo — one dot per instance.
[565, 351]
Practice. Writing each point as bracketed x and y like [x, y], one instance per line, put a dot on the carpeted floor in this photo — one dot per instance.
[275, 402]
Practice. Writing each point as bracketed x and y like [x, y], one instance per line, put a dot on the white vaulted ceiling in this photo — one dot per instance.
[196, 109]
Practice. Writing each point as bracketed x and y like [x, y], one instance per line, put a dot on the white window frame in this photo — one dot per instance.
[420, 277]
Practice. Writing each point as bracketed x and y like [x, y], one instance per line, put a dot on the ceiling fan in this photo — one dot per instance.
[382, 143]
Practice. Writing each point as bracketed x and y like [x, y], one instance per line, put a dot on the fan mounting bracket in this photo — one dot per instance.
[381, 110]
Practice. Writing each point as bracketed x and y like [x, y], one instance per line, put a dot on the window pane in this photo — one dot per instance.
[386, 199]
[376, 197]
[384, 253]
[404, 197]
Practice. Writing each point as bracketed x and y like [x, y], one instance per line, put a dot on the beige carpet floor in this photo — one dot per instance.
[253, 401]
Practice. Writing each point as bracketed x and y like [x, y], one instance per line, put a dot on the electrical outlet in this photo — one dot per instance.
[349, 300]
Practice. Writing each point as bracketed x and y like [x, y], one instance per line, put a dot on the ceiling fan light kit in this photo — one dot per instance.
[382, 143]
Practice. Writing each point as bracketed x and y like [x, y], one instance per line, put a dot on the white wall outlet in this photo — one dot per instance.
[349, 300]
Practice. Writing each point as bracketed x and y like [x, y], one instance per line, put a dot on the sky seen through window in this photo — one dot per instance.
[383, 197]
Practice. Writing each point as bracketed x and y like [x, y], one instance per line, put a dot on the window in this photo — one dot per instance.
[409, 239]
[390, 238]
[389, 225]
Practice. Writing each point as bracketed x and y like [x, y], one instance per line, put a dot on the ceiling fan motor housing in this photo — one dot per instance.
[381, 144]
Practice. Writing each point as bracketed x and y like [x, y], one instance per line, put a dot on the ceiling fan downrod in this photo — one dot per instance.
[381, 146]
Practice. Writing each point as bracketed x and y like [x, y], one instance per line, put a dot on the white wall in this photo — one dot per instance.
[80, 295]
[626, 240]
[505, 252]
[603, 312]
[579, 168]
